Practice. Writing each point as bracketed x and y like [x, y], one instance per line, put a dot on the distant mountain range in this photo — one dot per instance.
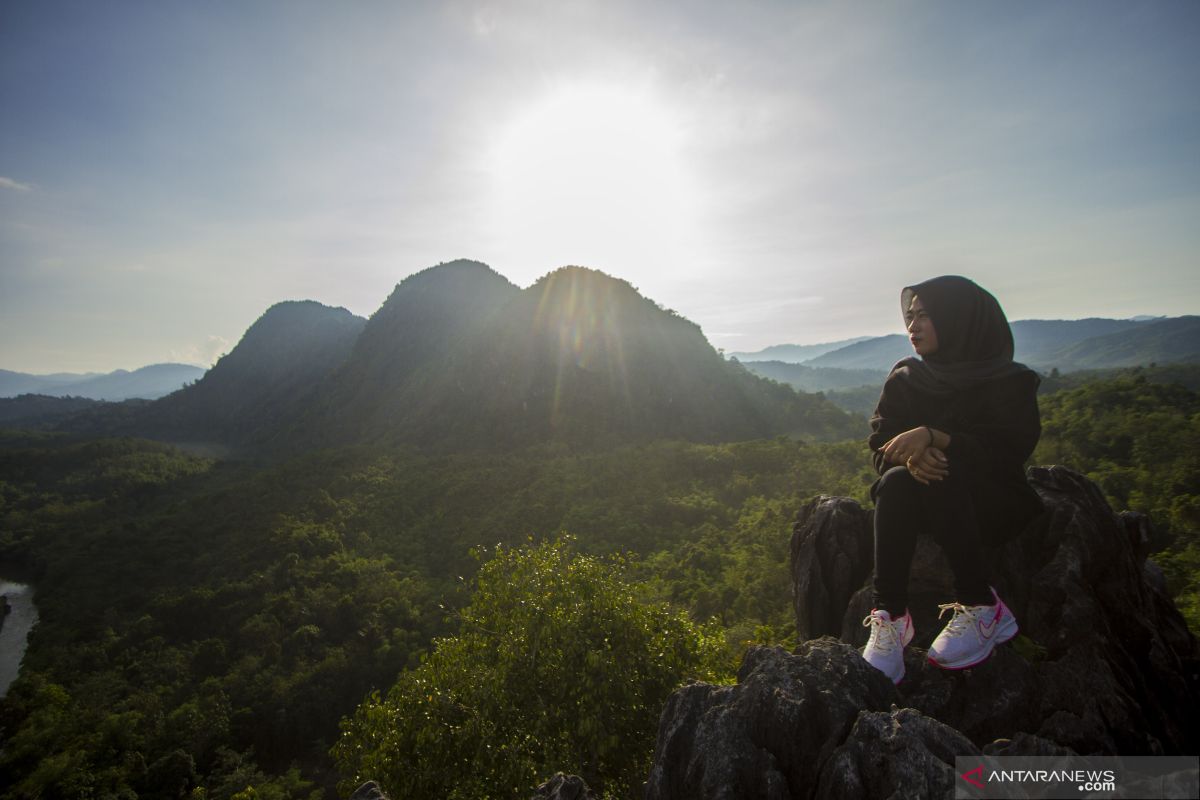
[1166, 341]
[459, 358]
[795, 353]
[851, 372]
[808, 378]
[1065, 345]
[150, 383]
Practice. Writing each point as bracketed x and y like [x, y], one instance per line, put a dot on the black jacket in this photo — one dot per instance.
[993, 429]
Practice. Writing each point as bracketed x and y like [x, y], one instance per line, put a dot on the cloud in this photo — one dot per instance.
[203, 354]
[16, 186]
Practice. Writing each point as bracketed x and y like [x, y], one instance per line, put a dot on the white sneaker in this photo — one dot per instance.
[885, 648]
[972, 633]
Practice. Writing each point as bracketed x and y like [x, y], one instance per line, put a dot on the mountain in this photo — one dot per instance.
[582, 356]
[459, 358]
[427, 314]
[1033, 339]
[1044, 344]
[880, 352]
[264, 380]
[795, 353]
[148, 383]
[13, 384]
[817, 379]
[1164, 341]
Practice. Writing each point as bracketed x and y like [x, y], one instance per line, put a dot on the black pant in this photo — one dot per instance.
[905, 508]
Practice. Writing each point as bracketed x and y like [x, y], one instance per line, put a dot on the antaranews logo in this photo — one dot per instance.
[1076, 776]
[978, 776]
[1088, 781]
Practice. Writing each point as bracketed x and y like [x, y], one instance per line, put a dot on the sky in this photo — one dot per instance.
[773, 171]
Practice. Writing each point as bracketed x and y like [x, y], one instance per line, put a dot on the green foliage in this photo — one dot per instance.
[860, 400]
[1181, 374]
[204, 626]
[558, 666]
[192, 633]
[229, 609]
[1181, 565]
[1140, 441]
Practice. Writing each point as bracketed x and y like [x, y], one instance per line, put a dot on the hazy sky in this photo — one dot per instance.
[773, 171]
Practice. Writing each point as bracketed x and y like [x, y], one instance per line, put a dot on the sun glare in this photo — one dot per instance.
[592, 175]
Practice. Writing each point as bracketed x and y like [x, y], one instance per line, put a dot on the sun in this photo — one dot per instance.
[592, 174]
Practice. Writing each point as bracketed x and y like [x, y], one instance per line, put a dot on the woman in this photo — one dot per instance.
[950, 437]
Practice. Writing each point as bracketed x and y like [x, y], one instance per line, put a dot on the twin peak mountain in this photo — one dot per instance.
[459, 358]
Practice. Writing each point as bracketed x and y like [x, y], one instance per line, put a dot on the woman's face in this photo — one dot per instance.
[920, 329]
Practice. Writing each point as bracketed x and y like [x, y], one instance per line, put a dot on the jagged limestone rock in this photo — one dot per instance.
[768, 735]
[831, 558]
[564, 787]
[1104, 665]
[901, 754]
[369, 791]
[1110, 665]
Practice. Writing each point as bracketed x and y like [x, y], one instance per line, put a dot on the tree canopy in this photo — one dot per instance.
[557, 666]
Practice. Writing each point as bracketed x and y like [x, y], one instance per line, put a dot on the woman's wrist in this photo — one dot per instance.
[938, 439]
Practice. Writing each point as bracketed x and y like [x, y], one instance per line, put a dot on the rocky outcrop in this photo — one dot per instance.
[564, 787]
[832, 554]
[769, 735]
[900, 753]
[1104, 665]
[369, 791]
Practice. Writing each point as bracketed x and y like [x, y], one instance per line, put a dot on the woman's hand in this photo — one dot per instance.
[905, 446]
[931, 465]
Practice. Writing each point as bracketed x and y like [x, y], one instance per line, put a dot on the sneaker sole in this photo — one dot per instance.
[1001, 637]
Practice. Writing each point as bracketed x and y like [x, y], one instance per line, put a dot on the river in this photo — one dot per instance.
[14, 632]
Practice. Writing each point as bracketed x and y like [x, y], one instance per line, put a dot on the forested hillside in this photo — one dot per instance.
[459, 359]
[262, 383]
[206, 625]
[1140, 441]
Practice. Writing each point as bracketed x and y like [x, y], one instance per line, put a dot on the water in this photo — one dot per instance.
[14, 634]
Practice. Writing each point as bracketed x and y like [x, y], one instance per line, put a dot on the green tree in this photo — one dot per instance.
[1140, 441]
[557, 667]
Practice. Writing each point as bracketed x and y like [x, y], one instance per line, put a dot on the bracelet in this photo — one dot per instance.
[929, 430]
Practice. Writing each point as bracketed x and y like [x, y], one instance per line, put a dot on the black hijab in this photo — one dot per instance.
[975, 344]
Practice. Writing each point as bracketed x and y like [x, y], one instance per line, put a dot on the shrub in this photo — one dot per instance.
[557, 667]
